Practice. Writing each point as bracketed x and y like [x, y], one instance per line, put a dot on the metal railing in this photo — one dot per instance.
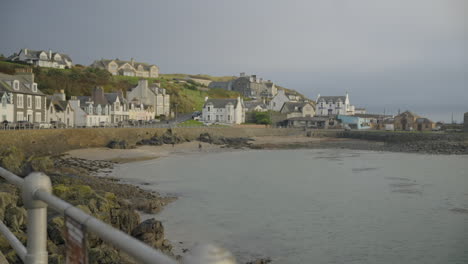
[36, 191]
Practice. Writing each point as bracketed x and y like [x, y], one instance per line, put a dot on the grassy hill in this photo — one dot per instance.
[189, 96]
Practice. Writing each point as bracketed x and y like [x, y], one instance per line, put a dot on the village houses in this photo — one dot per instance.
[42, 58]
[151, 95]
[225, 111]
[127, 68]
[410, 121]
[297, 109]
[249, 86]
[278, 101]
[138, 111]
[59, 110]
[23, 100]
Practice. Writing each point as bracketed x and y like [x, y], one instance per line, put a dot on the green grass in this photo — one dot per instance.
[170, 76]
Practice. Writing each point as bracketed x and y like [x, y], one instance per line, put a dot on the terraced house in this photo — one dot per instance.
[29, 103]
[42, 58]
[127, 68]
[60, 110]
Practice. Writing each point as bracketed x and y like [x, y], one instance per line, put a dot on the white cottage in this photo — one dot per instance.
[334, 105]
[89, 113]
[226, 111]
[42, 58]
[6, 107]
[60, 110]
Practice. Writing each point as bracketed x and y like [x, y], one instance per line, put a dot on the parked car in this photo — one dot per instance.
[57, 124]
[43, 125]
[24, 125]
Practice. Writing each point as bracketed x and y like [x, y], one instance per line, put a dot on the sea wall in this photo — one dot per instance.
[403, 137]
[56, 141]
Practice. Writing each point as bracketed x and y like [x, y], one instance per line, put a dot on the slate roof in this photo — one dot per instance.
[220, 103]
[332, 98]
[290, 107]
[308, 118]
[34, 55]
[59, 106]
[103, 63]
[423, 120]
[23, 80]
[252, 105]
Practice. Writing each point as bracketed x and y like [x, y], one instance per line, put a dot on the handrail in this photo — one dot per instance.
[37, 195]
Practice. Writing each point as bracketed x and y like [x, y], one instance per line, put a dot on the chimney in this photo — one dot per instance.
[50, 54]
[25, 51]
[132, 62]
[25, 72]
[60, 96]
[143, 83]
[206, 98]
[254, 77]
[242, 74]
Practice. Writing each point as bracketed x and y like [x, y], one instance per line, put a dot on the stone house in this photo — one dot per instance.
[334, 105]
[42, 58]
[60, 110]
[118, 105]
[6, 107]
[297, 109]
[127, 68]
[278, 100]
[89, 113]
[29, 103]
[409, 121]
[252, 106]
[226, 111]
[138, 111]
[249, 86]
[151, 95]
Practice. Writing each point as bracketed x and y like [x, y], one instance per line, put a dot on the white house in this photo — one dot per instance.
[6, 107]
[150, 95]
[278, 100]
[88, 113]
[118, 107]
[139, 111]
[42, 58]
[226, 111]
[334, 105]
[60, 110]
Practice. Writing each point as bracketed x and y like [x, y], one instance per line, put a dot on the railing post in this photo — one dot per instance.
[37, 217]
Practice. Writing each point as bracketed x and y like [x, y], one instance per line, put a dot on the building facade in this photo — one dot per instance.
[297, 109]
[249, 86]
[408, 121]
[60, 110]
[127, 68]
[225, 111]
[334, 105]
[88, 113]
[151, 95]
[138, 111]
[29, 103]
[278, 100]
[42, 58]
[6, 107]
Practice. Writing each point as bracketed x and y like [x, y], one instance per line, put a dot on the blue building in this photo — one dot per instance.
[355, 122]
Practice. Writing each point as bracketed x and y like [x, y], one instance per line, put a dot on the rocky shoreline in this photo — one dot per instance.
[80, 182]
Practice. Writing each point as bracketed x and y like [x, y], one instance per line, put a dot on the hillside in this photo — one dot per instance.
[189, 96]
[81, 80]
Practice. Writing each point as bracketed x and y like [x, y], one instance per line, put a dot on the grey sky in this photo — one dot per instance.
[407, 54]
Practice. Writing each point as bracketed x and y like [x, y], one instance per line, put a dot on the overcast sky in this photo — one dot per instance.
[388, 54]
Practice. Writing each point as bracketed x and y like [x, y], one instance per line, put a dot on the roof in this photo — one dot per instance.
[105, 62]
[332, 98]
[289, 107]
[251, 105]
[221, 103]
[423, 120]
[34, 55]
[25, 83]
[372, 115]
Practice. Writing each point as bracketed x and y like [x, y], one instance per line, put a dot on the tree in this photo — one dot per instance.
[262, 118]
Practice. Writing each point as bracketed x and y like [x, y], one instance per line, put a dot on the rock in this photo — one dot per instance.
[151, 232]
[6, 200]
[12, 159]
[103, 255]
[115, 144]
[15, 218]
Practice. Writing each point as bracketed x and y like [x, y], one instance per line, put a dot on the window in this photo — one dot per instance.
[19, 116]
[209, 117]
[38, 117]
[29, 101]
[19, 98]
[4, 117]
[16, 85]
[229, 117]
[4, 101]
[34, 87]
[209, 108]
[38, 102]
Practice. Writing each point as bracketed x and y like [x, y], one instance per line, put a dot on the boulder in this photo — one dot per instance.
[116, 144]
[151, 232]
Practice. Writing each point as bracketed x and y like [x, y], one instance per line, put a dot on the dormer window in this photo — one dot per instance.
[16, 85]
[34, 87]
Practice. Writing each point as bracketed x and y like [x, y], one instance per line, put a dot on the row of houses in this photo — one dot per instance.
[21, 100]
[52, 59]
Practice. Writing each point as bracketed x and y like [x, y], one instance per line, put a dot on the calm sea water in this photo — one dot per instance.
[315, 206]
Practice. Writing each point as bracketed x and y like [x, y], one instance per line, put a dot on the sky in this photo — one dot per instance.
[387, 54]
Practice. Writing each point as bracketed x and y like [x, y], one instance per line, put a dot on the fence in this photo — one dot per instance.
[37, 196]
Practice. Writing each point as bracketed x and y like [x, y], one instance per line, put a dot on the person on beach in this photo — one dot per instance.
[172, 144]
[199, 146]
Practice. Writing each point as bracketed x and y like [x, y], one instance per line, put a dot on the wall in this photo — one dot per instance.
[51, 142]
